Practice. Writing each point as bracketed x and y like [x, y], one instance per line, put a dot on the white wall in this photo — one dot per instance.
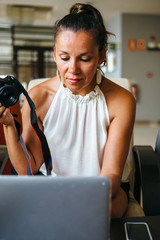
[135, 65]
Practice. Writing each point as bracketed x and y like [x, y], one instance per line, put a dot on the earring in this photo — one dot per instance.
[98, 76]
[58, 75]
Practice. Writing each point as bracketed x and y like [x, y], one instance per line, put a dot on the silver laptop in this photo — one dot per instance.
[54, 208]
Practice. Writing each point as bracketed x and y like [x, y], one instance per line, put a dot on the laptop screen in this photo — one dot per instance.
[54, 208]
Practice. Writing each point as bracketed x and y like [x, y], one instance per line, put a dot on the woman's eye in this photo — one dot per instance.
[81, 59]
[65, 58]
[85, 60]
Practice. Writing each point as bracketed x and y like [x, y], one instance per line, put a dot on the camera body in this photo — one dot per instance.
[10, 90]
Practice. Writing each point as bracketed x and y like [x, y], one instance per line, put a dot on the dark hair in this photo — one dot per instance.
[84, 17]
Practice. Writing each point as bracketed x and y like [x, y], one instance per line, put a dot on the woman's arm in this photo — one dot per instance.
[15, 150]
[122, 114]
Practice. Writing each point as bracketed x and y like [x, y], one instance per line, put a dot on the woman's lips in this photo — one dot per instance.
[74, 80]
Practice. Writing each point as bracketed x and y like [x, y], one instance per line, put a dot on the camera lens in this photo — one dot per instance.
[8, 96]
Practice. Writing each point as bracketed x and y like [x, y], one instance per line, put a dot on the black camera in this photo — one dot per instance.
[10, 90]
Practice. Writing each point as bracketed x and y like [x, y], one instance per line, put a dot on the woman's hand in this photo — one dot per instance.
[6, 117]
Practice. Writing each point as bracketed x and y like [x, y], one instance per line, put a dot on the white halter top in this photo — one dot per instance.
[76, 130]
[75, 127]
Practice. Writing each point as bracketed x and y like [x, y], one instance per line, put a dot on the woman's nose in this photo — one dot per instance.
[73, 66]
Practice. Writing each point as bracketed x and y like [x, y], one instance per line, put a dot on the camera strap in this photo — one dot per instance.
[44, 145]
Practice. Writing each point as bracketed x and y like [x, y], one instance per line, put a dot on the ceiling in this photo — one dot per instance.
[108, 8]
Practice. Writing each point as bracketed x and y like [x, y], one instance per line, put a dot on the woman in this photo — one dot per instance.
[87, 119]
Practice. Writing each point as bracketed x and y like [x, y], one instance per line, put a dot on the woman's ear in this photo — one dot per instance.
[102, 56]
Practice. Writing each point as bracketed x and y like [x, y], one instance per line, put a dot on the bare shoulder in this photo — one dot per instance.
[119, 100]
[43, 94]
[48, 87]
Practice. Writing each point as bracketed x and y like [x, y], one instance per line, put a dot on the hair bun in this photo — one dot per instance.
[80, 7]
[76, 8]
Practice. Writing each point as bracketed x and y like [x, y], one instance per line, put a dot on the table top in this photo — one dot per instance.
[117, 226]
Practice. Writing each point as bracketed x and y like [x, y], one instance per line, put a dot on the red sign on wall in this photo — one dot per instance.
[141, 45]
[132, 45]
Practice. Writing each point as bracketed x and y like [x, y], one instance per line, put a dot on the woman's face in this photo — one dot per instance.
[76, 55]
